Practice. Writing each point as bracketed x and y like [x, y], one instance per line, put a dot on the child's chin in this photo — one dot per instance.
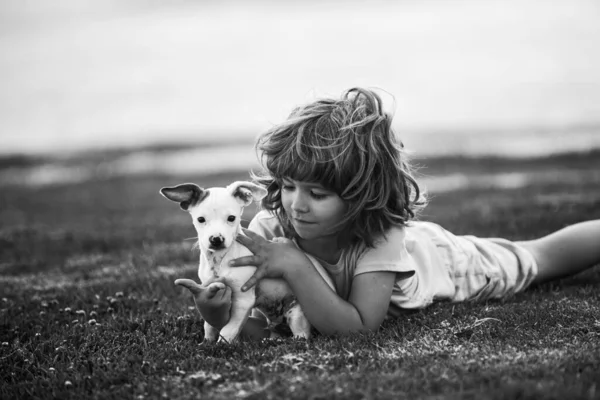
[310, 235]
[309, 232]
[305, 234]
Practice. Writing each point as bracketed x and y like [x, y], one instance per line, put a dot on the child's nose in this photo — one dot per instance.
[299, 203]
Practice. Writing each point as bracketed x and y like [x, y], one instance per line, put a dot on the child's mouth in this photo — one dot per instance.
[302, 222]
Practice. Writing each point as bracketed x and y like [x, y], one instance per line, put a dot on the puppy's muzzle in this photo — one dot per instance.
[216, 242]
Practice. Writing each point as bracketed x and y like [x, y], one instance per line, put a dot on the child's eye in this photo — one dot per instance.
[287, 187]
[201, 220]
[318, 196]
[231, 218]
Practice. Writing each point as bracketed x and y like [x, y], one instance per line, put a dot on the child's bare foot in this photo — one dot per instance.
[212, 301]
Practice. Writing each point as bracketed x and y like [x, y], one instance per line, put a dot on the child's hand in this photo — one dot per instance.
[212, 301]
[270, 257]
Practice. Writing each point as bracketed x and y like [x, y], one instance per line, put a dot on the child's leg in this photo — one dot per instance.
[567, 251]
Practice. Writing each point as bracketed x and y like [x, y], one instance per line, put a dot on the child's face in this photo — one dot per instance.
[312, 210]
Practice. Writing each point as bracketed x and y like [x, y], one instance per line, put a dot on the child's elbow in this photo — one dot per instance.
[348, 331]
[370, 323]
[371, 326]
[362, 326]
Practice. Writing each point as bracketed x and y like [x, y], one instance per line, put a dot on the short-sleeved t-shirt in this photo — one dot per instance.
[431, 264]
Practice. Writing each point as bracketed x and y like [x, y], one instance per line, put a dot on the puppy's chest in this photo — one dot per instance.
[213, 266]
[216, 265]
[209, 270]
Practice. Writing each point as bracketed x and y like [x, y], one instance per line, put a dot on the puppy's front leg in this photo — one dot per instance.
[241, 307]
[210, 333]
[298, 322]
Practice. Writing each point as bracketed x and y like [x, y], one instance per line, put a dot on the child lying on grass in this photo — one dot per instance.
[341, 189]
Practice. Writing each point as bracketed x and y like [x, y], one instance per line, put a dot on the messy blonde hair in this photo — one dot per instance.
[348, 146]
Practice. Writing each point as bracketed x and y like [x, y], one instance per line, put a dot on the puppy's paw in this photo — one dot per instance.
[208, 341]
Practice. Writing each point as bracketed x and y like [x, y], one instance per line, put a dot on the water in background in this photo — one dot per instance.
[470, 77]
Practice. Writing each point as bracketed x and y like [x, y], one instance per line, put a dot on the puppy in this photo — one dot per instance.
[216, 214]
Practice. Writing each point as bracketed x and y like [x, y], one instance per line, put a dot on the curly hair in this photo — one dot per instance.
[348, 146]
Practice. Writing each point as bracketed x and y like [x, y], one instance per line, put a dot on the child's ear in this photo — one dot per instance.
[246, 192]
[186, 194]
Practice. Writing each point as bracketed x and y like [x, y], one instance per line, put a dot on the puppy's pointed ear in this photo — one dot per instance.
[246, 192]
[186, 194]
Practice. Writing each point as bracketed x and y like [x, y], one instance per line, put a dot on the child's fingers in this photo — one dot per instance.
[189, 284]
[214, 288]
[245, 261]
[248, 243]
[226, 294]
[281, 240]
[253, 241]
[253, 235]
[258, 275]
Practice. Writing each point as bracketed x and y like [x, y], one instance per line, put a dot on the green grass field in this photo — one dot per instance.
[89, 309]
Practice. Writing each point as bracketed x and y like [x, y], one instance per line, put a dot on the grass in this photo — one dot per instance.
[89, 309]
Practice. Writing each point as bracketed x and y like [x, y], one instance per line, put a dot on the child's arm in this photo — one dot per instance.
[367, 304]
[365, 309]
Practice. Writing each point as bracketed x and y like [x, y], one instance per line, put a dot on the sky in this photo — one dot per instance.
[83, 74]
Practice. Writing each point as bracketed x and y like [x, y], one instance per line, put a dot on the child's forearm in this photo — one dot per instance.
[325, 310]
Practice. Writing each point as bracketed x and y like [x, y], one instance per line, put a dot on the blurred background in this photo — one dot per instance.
[181, 86]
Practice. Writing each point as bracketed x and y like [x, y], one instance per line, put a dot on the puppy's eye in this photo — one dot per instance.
[201, 220]
[231, 218]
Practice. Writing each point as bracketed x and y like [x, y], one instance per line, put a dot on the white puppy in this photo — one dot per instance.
[216, 214]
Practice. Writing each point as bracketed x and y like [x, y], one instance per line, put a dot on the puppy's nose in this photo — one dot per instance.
[216, 241]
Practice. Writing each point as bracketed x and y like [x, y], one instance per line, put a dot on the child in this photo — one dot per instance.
[340, 188]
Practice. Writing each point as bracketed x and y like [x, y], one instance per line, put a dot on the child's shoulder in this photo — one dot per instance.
[393, 236]
[399, 240]
[388, 247]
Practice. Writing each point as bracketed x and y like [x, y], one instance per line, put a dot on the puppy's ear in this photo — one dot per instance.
[246, 192]
[186, 194]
